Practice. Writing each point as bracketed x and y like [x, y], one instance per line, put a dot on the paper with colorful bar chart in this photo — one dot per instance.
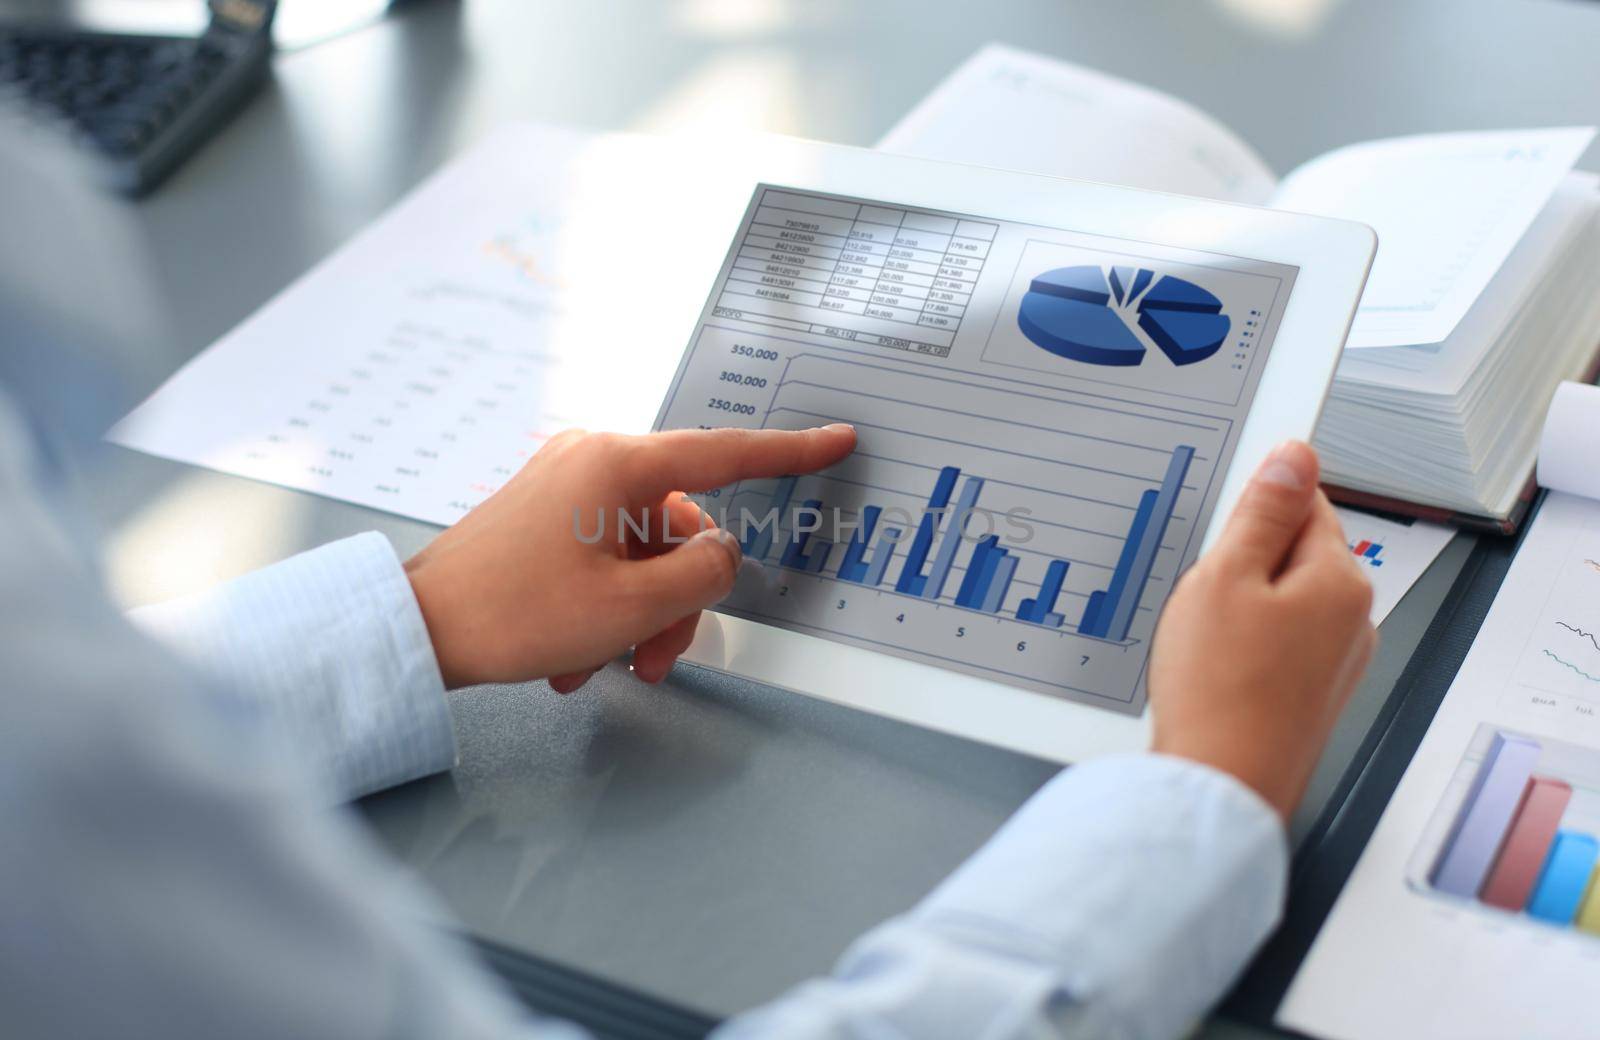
[1043, 418]
[1475, 909]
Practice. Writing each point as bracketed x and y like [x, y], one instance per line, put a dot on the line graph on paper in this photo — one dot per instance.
[1557, 677]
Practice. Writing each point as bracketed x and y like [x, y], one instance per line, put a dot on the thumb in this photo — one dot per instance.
[677, 583]
[1274, 507]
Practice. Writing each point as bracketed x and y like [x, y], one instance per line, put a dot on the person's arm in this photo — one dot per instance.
[255, 916]
[165, 856]
[330, 650]
[1127, 895]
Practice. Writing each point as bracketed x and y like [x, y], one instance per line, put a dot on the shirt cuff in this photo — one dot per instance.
[1143, 882]
[331, 648]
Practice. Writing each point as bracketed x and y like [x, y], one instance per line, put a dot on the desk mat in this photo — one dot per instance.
[608, 1011]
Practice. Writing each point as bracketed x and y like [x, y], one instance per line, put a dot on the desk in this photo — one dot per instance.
[709, 841]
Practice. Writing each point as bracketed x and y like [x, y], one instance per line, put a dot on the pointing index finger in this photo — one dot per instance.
[699, 460]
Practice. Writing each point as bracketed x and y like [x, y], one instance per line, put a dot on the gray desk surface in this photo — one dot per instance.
[708, 841]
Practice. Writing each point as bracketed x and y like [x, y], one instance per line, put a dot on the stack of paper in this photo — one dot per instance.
[1482, 298]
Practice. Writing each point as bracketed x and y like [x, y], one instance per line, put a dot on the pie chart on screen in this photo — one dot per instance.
[1112, 315]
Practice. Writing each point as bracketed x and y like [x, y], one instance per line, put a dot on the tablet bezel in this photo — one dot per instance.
[1332, 258]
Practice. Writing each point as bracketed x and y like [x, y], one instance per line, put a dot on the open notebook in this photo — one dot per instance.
[1475, 907]
[1484, 295]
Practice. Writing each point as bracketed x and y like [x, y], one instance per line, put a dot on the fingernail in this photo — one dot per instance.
[840, 427]
[1280, 468]
[725, 538]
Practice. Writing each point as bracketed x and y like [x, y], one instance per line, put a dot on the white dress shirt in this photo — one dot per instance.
[171, 866]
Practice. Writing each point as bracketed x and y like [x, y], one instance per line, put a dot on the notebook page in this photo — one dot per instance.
[1013, 110]
[530, 286]
[1448, 210]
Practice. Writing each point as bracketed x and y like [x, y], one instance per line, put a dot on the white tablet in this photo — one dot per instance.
[1059, 388]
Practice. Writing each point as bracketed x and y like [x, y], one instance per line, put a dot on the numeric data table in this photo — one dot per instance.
[890, 277]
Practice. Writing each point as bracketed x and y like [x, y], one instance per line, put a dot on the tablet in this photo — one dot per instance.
[1058, 388]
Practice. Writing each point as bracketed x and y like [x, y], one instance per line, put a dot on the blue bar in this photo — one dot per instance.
[817, 554]
[1091, 612]
[1144, 560]
[984, 575]
[1036, 610]
[851, 568]
[795, 555]
[1119, 576]
[948, 546]
[1565, 878]
[964, 595]
[911, 579]
[882, 553]
[757, 542]
[1053, 620]
[999, 582]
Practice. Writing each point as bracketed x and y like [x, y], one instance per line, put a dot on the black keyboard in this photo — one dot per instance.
[136, 104]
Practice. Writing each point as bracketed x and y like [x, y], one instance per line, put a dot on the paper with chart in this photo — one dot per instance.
[1475, 910]
[1043, 421]
[1393, 552]
[535, 285]
[1448, 208]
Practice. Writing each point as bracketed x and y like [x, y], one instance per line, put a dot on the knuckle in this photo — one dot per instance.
[720, 565]
[1354, 593]
[613, 444]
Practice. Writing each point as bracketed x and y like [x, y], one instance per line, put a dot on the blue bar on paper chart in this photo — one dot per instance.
[756, 541]
[817, 554]
[882, 553]
[1485, 817]
[964, 595]
[1144, 560]
[911, 578]
[1124, 568]
[999, 582]
[1564, 878]
[1091, 612]
[795, 555]
[951, 543]
[852, 567]
[1041, 607]
[1053, 620]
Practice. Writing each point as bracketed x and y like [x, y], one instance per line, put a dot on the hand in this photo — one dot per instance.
[512, 593]
[1263, 641]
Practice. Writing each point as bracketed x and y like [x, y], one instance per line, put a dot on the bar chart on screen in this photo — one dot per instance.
[1037, 532]
[1032, 471]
